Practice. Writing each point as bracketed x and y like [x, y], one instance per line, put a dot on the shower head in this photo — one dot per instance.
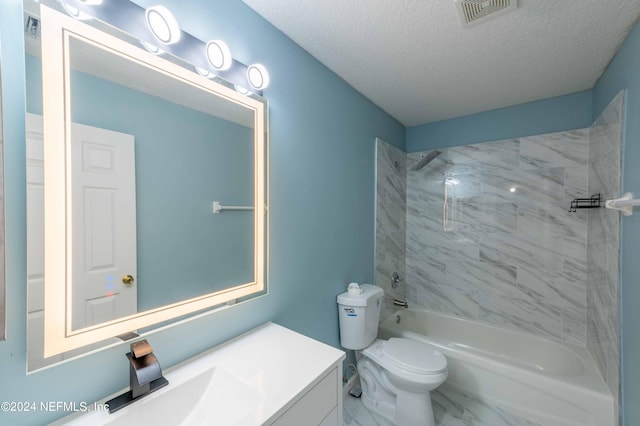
[426, 159]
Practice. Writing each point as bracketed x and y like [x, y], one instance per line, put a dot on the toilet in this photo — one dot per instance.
[397, 375]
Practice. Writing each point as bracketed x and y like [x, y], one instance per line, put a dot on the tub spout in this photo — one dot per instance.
[401, 303]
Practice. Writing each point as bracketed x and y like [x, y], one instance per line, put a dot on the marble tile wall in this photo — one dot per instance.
[603, 243]
[489, 236]
[391, 172]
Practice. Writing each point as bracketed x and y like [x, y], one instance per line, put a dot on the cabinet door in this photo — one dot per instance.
[331, 419]
[315, 406]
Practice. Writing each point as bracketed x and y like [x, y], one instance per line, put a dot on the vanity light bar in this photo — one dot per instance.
[75, 12]
[159, 32]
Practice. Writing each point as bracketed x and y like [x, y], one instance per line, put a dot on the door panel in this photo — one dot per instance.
[105, 246]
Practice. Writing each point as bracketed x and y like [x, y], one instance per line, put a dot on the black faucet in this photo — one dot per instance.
[145, 375]
[143, 368]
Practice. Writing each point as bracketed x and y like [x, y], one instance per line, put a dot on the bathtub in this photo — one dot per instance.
[549, 382]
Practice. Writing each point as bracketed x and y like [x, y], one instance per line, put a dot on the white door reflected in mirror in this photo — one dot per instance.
[102, 249]
[104, 209]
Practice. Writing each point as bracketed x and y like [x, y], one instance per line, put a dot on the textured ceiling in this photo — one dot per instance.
[415, 60]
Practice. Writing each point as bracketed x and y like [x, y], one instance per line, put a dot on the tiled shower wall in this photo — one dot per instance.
[391, 186]
[603, 242]
[490, 236]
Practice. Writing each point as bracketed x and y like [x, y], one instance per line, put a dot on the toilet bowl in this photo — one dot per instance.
[398, 374]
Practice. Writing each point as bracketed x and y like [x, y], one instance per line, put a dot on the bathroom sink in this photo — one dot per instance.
[213, 396]
[253, 379]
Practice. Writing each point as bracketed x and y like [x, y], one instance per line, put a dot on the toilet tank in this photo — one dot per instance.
[359, 315]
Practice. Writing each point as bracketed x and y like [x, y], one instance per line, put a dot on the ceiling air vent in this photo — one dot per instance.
[476, 11]
[32, 26]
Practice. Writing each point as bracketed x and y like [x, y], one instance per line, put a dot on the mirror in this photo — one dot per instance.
[3, 312]
[147, 162]
[137, 152]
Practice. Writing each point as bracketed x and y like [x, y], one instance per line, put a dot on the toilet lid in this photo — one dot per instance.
[414, 356]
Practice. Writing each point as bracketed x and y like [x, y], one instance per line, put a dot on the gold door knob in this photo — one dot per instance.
[128, 280]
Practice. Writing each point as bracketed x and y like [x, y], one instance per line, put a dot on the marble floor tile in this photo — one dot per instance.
[355, 414]
[451, 407]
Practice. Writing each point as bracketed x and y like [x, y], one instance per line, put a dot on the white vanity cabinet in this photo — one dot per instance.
[319, 395]
[320, 405]
[267, 376]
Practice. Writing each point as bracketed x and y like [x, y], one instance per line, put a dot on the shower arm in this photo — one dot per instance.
[424, 160]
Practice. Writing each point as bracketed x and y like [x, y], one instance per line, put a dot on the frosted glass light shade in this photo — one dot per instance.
[258, 76]
[163, 25]
[219, 55]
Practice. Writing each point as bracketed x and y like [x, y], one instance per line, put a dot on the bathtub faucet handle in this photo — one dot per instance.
[395, 280]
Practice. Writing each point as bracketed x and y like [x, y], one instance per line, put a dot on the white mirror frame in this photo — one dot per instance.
[59, 335]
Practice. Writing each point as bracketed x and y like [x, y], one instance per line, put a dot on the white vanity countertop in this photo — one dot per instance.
[271, 363]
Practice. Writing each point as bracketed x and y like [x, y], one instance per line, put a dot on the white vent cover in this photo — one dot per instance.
[476, 11]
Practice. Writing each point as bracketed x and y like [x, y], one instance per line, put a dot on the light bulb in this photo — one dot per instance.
[74, 12]
[204, 72]
[242, 90]
[152, 48]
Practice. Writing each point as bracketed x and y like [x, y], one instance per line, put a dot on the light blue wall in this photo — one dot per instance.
[322, 177]
[322, 201]
[552, 115]
[184, 159]
[624, 72]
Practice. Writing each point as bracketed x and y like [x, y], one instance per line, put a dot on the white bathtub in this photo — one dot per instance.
[549, 382]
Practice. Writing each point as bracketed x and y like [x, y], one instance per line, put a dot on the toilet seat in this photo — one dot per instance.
[414, 356]
[407, 355]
